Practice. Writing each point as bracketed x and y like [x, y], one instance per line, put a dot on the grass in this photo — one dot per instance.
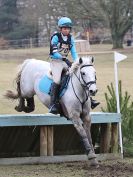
[104, 64]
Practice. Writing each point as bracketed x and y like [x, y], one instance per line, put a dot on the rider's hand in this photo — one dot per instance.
[69, 63]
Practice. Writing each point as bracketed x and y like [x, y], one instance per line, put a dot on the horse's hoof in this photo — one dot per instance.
[91, 155]
[18, 109]
[94, 163]
[28, 109]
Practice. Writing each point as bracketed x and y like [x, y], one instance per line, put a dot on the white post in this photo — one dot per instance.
[118, 107]
[118, 57]
[117, 89]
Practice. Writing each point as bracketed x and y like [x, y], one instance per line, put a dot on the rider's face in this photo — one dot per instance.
[65, 30]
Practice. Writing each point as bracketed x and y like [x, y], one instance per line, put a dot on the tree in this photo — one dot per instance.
[119, 14]
[11, 26]
[80, 9]
[49, 11]
[43, 13]
[8, 16]
[86, 15]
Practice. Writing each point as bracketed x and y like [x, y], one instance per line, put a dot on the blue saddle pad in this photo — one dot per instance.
[45, 85]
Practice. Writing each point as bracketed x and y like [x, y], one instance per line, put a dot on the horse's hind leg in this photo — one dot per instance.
[21, 105]
[30, 105]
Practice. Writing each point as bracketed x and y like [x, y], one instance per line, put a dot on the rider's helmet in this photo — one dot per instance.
[65, 22]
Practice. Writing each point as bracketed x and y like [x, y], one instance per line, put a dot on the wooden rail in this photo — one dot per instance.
[48, 121]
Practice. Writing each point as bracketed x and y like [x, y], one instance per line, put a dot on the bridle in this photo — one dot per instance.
[85, 86]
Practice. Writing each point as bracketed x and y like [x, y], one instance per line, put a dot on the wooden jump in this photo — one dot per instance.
[47, 123]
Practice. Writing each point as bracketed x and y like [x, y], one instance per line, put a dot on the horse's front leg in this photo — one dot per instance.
[88, 147]
[87, 127]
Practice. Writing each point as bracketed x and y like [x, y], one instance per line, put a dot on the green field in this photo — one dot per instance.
[104, 64]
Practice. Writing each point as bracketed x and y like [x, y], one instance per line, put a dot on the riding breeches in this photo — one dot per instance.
[57, 66]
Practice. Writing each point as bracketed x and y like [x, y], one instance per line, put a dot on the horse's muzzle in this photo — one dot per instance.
[93, 92]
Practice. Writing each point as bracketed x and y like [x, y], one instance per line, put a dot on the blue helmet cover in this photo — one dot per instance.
[65, 22]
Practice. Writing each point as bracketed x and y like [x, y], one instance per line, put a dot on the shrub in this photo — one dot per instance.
[126, 109]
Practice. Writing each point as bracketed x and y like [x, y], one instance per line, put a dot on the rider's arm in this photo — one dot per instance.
[73, 50]
[54, 45]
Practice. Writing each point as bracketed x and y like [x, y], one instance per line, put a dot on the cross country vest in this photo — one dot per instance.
[63, 47]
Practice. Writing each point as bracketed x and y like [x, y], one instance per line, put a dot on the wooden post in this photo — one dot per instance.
[105, 138]
[87, 35]
[50, 144]
[114, 138]
[43, 141]
[82, 46]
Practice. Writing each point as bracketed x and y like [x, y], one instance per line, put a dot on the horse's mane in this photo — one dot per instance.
[74, 67]
[86, 61]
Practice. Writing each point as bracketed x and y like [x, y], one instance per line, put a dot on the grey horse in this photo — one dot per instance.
[75, 102]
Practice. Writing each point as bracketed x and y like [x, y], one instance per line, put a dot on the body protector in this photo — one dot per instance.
[63, 47]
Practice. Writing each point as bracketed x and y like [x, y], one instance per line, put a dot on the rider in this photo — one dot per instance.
[61, 43]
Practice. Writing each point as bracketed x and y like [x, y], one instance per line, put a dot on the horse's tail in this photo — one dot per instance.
[12, 95]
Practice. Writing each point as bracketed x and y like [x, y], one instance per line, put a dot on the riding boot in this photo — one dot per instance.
[54, 98]
[94, 103]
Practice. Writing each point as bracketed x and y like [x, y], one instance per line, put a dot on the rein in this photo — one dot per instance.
[83, 86]
[87, 95]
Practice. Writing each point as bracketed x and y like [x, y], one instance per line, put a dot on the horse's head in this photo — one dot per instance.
[87, 74]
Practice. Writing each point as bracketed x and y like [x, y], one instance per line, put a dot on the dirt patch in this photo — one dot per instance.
[120, 168]
[112, 169]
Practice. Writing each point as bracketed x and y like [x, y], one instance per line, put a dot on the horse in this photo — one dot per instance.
[75, 102]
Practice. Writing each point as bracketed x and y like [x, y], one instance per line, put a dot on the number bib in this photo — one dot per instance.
[64, 50]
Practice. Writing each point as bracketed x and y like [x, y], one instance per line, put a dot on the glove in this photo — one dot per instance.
[69, 63]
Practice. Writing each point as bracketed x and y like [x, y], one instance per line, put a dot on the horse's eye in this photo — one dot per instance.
[83, 74]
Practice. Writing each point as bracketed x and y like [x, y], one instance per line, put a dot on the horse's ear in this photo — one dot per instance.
[92, 59]
[80, 60]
